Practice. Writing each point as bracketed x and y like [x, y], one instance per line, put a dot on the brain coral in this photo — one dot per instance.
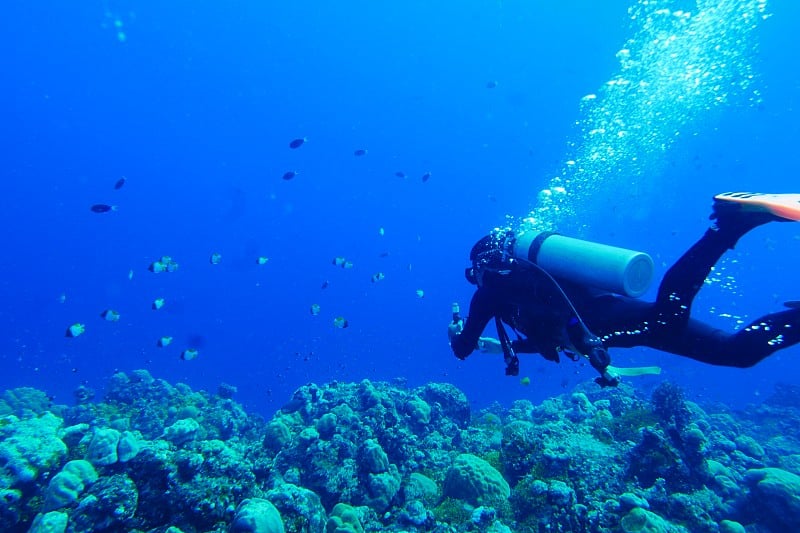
[472, 479]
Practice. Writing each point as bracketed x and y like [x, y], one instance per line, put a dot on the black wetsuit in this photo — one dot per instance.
[528, 302]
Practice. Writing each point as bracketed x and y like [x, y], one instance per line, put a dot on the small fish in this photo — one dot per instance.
[189, 354]
[525, 381]
[340, 322]
[62, 298]
[314, 309]
[290, 174]
[103, 208]
[215, 258]
[360, 152]
[297, 143]
[75, 330]
[420, 293]
[262, 260]
[347, 265]
[325, 284]
[378, 276]
[158, 303]
[426, 177]
[381, 232]
[163, 342]
[130, 274]
[400, 174]
[110, 315]
[120, 183]
[383, 254]
[491, 84]
[339, 261]
[165, 264]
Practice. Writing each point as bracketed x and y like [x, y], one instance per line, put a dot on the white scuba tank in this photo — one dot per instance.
[618, 270]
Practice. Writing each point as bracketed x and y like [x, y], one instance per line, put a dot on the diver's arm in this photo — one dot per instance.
[464, 340]
[589, 345]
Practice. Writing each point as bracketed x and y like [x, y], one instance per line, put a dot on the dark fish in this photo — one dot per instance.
[120, 182]
[325, 284]
[360, 152]
[426, 177]
[289, 175]
[792, 304]
[297, 143]
[103, 208]
[400, 174]
[197, 340]
[491, 84]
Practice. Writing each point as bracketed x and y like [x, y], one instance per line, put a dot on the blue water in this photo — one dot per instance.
[195, 104]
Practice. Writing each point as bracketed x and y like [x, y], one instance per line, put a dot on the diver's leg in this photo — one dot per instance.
[742, 349]
[763, 337]
[685, 278]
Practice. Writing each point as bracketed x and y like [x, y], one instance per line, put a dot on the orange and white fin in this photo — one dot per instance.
[781, 205]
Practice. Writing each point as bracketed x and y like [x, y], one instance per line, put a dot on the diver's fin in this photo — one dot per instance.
[635, 371]
[785, 206]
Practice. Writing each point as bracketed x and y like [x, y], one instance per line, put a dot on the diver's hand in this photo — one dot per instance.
[607, 380]
[454, 329]
[599, 359]
[489, 345]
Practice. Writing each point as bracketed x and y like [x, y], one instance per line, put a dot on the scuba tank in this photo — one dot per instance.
[618, 270]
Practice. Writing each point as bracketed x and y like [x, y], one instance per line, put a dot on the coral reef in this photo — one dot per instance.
[358, 457]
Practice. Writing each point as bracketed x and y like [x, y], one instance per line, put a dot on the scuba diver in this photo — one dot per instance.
[564, 295]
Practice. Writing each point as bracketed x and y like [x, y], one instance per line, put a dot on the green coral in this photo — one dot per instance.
[24, 402]
[344, 519]
[472, 479]
[67, 485]
[452, 511]
[30, 446]
[256, 515]
[493, 458]
[627, 426]
[639, 520]
[421, 487]
[52, 522]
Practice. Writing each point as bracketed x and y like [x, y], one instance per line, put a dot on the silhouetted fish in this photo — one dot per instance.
[426, 177]
[103, 208]
[360, 152]
[120, 183]
[297, 143]
[289, 175]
